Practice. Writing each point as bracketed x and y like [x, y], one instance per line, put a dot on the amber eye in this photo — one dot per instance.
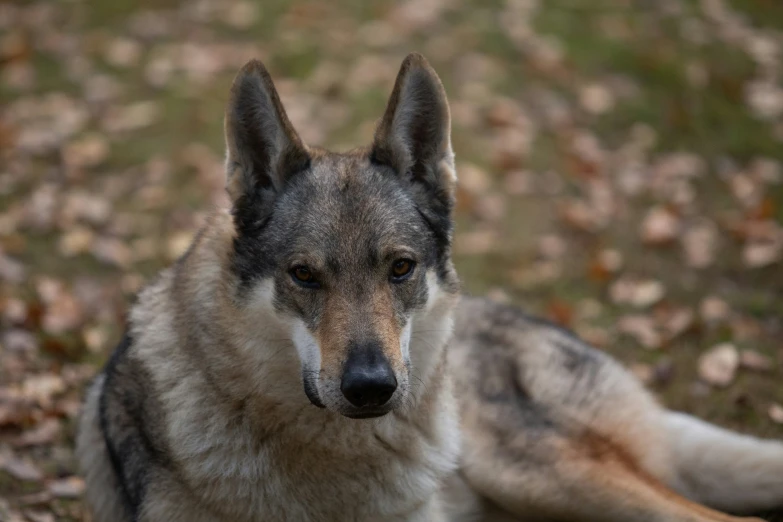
[401, 270]
[303, 276]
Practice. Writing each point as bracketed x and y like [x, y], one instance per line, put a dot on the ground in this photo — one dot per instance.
[619, 160]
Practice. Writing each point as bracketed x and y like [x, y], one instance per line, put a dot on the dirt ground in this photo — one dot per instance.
[619, 160]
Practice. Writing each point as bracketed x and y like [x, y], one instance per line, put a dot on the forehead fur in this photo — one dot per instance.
[343, 212]
[347, 208]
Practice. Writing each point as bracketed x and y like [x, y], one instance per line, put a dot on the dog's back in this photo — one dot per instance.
[553, 427]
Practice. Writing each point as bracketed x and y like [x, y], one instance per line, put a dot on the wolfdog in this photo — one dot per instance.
[309, 358]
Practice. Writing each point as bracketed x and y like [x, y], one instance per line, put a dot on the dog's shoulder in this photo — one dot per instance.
[129, 418]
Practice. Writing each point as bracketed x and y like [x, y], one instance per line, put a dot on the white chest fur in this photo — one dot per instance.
[386, 469]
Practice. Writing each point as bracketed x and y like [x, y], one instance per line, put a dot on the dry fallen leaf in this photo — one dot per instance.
[499, 295]
[713, 309]
[132, 117]
[70, 487]
[761, 254]
[593, 335]
[776, 413]
[112, 251]
[718, 366]
[42, 388]
[765, 98]
[596, 98]
[123, 52]
[637, 293]
[20, 469]
[39, 516]
[700, 244]
[88, 151]
[552, 246]
[63, 314]
[753, 360]
[659, 227]
[642, 328]
[45, 433]
[676, 322]
[477, 242]
[643, 372]
[579, 215]
[519, 182]
[11, 270]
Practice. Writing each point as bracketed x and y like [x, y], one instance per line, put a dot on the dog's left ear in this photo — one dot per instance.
[414, 136]
[262, 148]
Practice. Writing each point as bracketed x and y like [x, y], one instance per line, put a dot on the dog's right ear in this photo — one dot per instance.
[414, 137]
[262, 148]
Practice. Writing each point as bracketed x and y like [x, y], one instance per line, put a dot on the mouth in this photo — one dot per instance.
[368, 414]
[312, 393]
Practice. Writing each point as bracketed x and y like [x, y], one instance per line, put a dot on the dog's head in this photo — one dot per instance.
[351, 252]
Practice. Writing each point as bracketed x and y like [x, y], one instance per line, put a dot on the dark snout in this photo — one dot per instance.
[368, 380]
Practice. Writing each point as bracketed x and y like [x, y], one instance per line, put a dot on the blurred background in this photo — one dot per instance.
[619, 160]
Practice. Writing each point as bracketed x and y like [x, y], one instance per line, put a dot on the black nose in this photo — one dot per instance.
[368, 379]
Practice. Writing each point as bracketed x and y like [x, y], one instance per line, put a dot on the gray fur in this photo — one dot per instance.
[224, 401]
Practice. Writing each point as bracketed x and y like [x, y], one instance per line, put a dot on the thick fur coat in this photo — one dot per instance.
[309, 359]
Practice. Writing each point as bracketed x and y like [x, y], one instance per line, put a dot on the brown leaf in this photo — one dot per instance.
[659, 227]
[578, 214]
[713, 309]
[241, 15]
[776, 413]
[605, 264]
[45, 433]
[676, 322]
[131, 117]
[11, 270]
[642, 328]
[499, 295]
[70, 487]
[113, 251]
[39, 498]
[39, 516]
[20, 469]
[700, 244]
[14, 46]
[560, 312]
[635, 292]
[14, 310]
[76, 241]
[490, 207]
[42, 388]
[476, 242]
[519, 182]
[643, 372]
[753, 360]
[88, 151]
[596, 98]
[64, 314]
[551, 246]
[719, 365]
[123, 52]
[758, 254]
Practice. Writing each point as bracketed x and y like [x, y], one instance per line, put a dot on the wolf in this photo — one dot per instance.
[310, 359]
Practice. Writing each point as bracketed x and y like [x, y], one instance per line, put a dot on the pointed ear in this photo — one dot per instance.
[262, 148]
[414, 136]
